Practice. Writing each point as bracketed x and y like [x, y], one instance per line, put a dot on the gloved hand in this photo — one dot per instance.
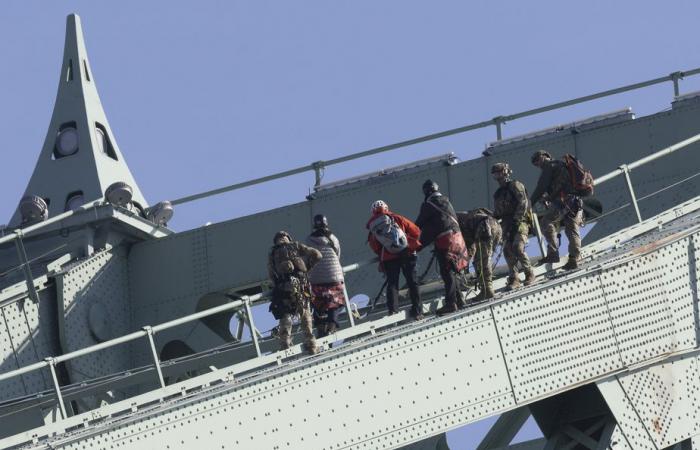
[519, 228]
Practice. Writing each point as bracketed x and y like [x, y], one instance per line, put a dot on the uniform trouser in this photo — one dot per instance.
[393, 269]
[514, 252]
[452, 293]
[305, 322]
[572, 223]
[483, 252]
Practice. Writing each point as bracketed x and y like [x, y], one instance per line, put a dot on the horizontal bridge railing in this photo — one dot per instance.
[625, 169]
[247, 301]
[149, 331]
[318, 167]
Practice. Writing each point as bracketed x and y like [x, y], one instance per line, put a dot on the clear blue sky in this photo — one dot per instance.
[209, 93]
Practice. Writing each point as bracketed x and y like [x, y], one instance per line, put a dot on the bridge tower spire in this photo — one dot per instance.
[80, 157]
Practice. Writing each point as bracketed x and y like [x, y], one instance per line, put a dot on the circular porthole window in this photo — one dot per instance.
[67, 142]
[75, 201]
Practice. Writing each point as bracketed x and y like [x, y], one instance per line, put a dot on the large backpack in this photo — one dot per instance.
[581, 178]
[388, 233]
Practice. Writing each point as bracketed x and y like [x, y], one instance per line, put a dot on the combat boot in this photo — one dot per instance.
[416, 315]
[311, 347]
[529, 278]
[485, 294]
[513, 283]
[571, 264]
[448, 308]
[321, 330]
[551, 258]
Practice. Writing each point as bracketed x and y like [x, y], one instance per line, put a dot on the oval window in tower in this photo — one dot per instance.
[101, 141]
[104, 145]
[66, 141]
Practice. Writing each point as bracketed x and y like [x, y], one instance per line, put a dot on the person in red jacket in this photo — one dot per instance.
[395, 239]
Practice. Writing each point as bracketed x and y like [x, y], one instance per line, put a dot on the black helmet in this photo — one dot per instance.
[539, 154]
[279, 235]
[429, 187]
[320, 221]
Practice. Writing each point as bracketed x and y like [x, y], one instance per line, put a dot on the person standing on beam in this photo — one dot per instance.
[438, 222]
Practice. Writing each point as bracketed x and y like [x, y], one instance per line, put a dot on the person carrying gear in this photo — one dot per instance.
[512, 208]
[326, 277]
[555, 191]
[288, 264]
[482, 234]
[395, 239]
[438, 222]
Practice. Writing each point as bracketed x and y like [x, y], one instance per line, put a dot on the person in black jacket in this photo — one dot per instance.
[438, 223]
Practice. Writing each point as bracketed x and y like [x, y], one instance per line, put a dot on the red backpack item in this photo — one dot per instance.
[452, 243]
[581, 178]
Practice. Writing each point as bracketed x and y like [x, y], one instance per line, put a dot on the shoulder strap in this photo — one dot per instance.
[454, 219]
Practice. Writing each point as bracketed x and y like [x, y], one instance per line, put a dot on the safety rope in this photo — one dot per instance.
[379, 294]
[427, 269]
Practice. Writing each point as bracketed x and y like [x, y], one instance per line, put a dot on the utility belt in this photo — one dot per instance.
[292, 283]
[290, 295]
[570, 203]
[288, 276]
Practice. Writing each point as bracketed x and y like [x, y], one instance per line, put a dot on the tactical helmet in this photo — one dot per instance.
[539, 154]
[281, 234]
[320, 221]
[501, 167]
[379, 207]
[429, 186]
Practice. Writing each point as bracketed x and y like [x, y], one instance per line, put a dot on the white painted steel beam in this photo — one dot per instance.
[629, 308]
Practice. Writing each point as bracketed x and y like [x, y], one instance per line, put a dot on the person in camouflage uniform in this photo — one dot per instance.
[482, 234]
[287, 265]
[563, 206]
[512, 208]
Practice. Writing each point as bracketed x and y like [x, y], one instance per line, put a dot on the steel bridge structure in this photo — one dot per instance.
[115, 330]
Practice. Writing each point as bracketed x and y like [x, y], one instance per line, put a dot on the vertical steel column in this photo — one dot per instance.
[56, 387]
[251, 325]
[239, 329]
[633, 197]
[675, 77]
[540, 239]
[498, 121]
[318, 167]
[347, 306]
[156, 359]
[24, 262]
